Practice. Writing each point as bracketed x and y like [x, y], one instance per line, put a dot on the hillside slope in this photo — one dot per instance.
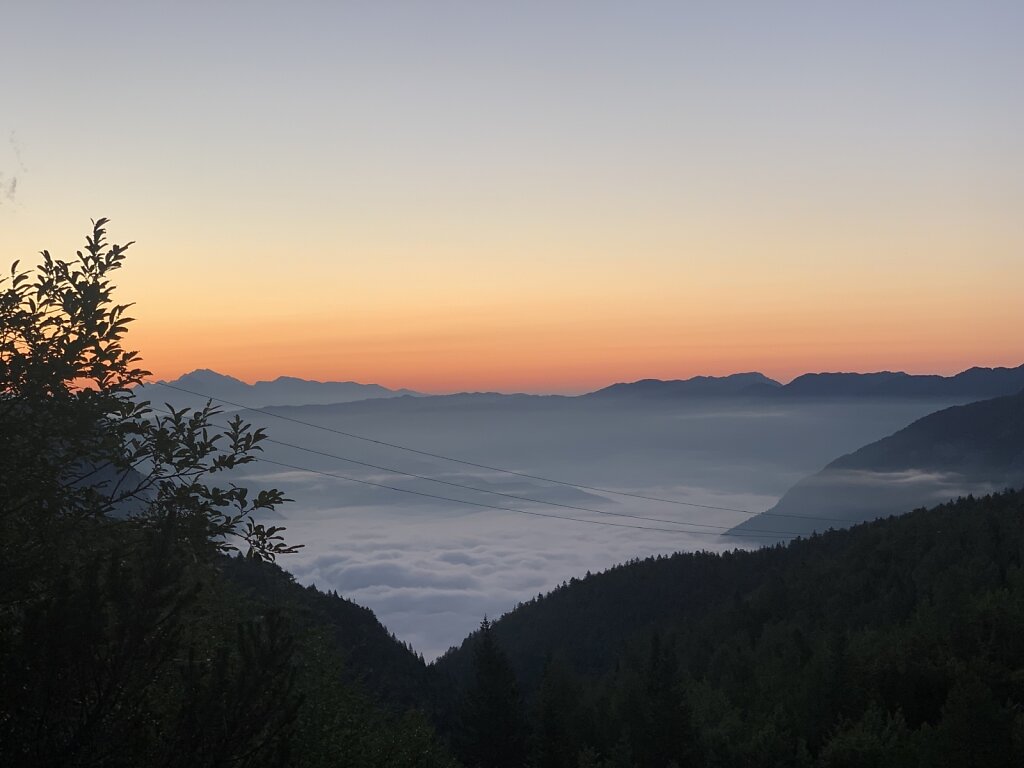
[897, 642]
[975, 448]
[389, 671]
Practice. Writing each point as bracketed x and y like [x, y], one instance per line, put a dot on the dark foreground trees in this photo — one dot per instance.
[121, 642]
[895, 643]
[111, 649]
[492, 727]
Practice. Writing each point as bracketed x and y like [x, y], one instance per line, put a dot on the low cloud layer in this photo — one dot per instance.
[432, 579]
[431, 569]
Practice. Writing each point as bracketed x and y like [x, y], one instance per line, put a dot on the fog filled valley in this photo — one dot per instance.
[432, 569]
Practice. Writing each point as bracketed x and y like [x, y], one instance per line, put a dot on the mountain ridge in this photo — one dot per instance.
[733, 384]
[282, 391]
[957, 451]
[973, 383]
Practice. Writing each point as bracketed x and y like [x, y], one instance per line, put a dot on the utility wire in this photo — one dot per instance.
[475, 504]
[485, 466]
[543, 502]
[494, 506]
[447, 458]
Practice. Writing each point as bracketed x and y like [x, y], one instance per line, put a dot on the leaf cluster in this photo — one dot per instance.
[80, 445]
[127, 636]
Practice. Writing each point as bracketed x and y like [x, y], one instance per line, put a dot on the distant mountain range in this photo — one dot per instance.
[736, 384]
[967, 449]
[972, 384]
[284, 390]
[975, 383]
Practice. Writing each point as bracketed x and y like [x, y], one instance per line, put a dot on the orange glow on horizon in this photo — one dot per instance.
[566, 361]
[521, 201]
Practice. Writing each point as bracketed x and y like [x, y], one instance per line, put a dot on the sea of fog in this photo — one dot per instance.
[432, 569]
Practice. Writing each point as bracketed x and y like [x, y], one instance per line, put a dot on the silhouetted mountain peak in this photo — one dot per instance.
[284, 390]
[207, 376]
[289, 380]
[733, 384]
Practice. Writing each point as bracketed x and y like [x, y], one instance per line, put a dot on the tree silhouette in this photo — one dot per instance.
[110, 529]
[493, 726]
[556, 739]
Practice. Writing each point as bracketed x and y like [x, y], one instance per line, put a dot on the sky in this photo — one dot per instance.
[531, 196]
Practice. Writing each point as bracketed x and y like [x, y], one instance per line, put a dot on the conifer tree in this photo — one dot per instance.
[555, 740]
[493, 725]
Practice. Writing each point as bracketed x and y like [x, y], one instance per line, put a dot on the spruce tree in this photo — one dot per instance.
[493, 726]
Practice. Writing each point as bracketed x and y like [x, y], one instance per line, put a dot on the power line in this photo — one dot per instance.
[475, 504]
[448, 458]
[544, 502]
[494, 506]
[492, 468]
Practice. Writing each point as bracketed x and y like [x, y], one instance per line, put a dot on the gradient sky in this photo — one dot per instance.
[531, 196]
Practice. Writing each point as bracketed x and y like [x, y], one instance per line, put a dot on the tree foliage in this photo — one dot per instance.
[110, 528]
[898, 642]
[81, 446]
[493, 731]
[122, 641]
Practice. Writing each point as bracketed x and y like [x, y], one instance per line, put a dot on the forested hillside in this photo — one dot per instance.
[968, 449]
[372, 659]
[122, 640]
[898, 642]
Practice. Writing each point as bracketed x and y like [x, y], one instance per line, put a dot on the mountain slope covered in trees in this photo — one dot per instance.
[974, 448]
[898, 642]
[372, 659]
